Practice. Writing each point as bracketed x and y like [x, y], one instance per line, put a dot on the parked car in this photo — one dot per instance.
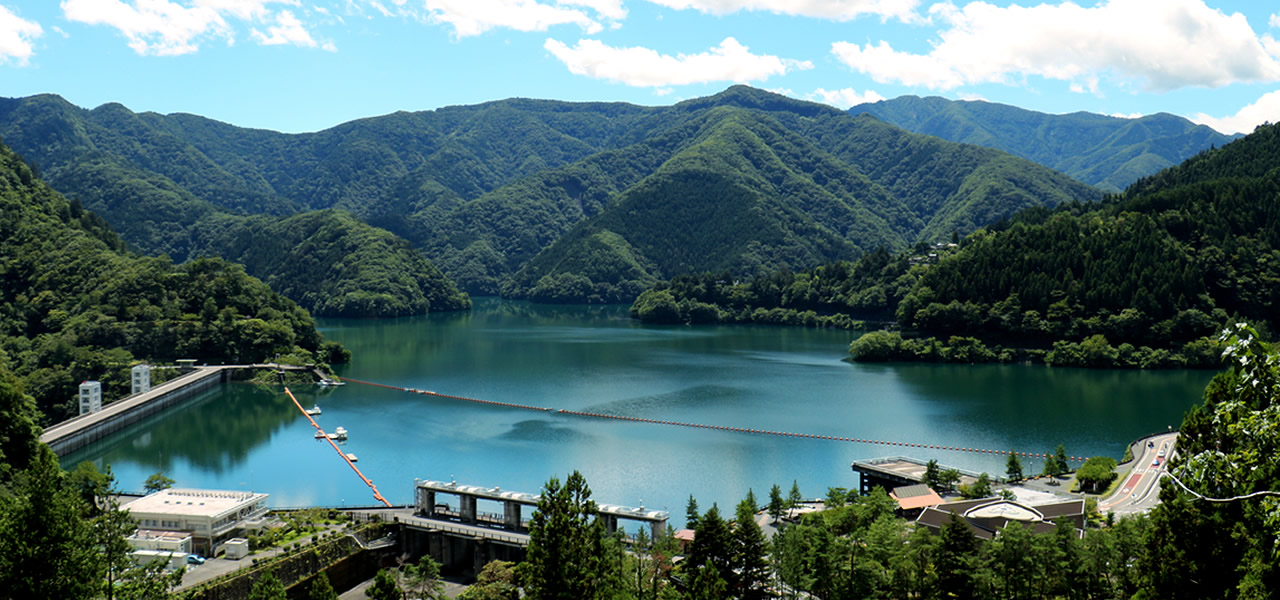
[195, 559]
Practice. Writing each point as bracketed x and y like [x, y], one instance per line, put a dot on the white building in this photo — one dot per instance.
[167, 541]
[90, 397]
[141, 379]
[210, 516]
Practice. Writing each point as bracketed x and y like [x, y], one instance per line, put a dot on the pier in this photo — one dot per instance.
[78, 432]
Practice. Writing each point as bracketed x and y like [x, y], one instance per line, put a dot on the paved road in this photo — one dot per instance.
[1140, 491]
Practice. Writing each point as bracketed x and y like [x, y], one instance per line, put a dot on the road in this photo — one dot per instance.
[1140, 491]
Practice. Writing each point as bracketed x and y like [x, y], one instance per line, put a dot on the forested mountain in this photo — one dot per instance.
[1144, 279]
[331, 264]
[745, 181]
[75, 306]
[550, 200]
[1107, 152]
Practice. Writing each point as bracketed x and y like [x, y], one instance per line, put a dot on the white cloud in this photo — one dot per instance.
[287, 30]
[1265, 109]
[1136, 115]
[971, 96]
[474, 17]
[1159, 44]
[16, 37]
[844, 98]
[839, 10]
[1275, 20]
[152, 26]
[167, 27]
[609, 9]
[642, 67]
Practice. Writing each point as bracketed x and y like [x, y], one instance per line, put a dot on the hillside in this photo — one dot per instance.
[548, 200]
[1146, 279]
[164, 196]
[1107, 152]
[74, 306]
[331, 264]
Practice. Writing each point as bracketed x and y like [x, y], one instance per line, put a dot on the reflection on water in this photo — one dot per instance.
[595, 359]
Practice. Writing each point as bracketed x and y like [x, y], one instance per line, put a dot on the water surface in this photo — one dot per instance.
[596, 359]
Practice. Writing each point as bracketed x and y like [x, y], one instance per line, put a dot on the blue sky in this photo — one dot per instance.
[304, 65]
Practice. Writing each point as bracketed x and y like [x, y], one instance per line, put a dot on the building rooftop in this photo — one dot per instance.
[910, 497]
[187, 502]
[153, 534]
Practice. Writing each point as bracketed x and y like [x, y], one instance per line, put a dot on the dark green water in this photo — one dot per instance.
[595, 359]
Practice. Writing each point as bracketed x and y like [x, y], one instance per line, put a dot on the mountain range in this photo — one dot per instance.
[554, 201]
[1104, 151]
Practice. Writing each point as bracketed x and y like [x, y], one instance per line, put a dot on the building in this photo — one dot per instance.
[90, 397]
[987, 516]
[210, 516]
[141, 378]
[913, 499]
[165, 541]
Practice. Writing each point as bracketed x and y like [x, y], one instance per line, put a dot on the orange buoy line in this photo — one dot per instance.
[698, 425]
[376, 495]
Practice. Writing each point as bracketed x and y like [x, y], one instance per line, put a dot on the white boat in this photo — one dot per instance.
[352, 457]
[313, 411]
[339, 434]
[330, 382]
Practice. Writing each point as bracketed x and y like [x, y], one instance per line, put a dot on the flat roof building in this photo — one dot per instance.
[210, 516]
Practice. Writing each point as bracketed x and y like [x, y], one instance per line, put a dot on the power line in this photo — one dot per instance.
[1208, 499]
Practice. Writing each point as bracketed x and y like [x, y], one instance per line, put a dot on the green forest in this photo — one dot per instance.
[76, 305]
[545, 200]
[1143, 279]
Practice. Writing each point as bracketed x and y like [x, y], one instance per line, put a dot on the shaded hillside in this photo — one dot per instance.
[1108, 152]
[511, 195]
[73, 306]
[332, 264]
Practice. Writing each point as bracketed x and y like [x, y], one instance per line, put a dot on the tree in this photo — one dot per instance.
[496, 581]
[1013, 467]
[980, 488]
[691, 513]
[707, 584]
[566, 556]
[794, 498]
[751, 500]
[776, 504]
[321, 589]
[713, 544]
[1060, 456]
[156, 482]
[423, 579]
[47, 545]
[268, 587]
[948, 479]
[932, 475]
[836, 497]
[956, 550]
[750, 551]
[384, 587]
[1096, 473]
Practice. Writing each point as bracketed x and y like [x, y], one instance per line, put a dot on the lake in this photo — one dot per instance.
[595, 359]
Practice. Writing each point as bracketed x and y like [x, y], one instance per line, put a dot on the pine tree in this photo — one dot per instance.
[750, 549]
[794, 499]
[691, 513]
[566, 557]
[713, 544]
[776, 504]
[1013, 467]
